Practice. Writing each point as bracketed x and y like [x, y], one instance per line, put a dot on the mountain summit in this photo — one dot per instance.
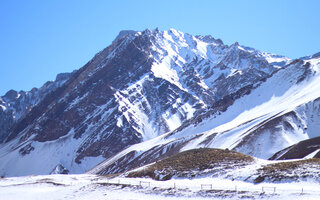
[160, 89]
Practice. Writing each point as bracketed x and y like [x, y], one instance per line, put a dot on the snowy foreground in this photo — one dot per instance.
[95, 187]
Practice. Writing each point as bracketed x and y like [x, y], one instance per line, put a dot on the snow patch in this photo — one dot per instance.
[311, 155]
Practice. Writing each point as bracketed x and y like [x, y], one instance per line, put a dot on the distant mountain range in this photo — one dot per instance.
[153, 94]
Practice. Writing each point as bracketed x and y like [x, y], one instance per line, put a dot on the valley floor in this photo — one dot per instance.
[53, 187]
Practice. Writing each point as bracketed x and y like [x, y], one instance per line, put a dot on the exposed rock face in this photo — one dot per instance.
[60, 169]
[143, 85]
[300, 150]
[15, 105]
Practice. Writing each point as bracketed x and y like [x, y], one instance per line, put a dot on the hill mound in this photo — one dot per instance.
[193, 163]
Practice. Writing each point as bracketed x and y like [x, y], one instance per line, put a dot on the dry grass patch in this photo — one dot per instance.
[193, 162]
[291, 165]
[293, 170]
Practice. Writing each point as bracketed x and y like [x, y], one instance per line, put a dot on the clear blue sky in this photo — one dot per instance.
[39, 39]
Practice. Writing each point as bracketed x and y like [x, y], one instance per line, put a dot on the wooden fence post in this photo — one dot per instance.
[145, 183]
[204, 186]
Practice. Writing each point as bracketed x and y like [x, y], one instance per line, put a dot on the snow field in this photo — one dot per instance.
[52, 187]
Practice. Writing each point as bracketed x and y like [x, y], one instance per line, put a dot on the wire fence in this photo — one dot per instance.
[208, 187]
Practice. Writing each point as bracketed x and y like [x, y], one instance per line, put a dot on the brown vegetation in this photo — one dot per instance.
[293, 170]
[192, 162]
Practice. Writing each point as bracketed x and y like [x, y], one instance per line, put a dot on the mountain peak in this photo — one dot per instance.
[145, 84]
[209, 39]
[11, 95]
[125, 33]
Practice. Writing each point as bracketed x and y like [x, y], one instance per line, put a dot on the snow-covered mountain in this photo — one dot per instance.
[14, 105]
[270, 116]
[151, 94]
